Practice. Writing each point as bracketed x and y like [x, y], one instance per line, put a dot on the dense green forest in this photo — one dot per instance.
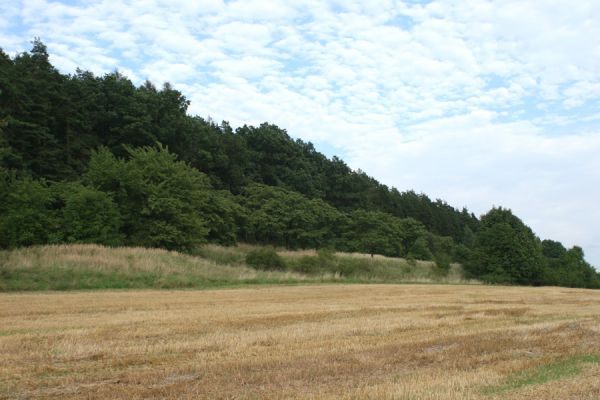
[96, 159]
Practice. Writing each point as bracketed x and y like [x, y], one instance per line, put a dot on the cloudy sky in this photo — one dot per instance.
[477, 102]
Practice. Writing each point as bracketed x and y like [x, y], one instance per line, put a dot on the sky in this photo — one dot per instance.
[479, 103]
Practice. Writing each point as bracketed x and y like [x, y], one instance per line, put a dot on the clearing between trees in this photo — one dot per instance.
[319, 341]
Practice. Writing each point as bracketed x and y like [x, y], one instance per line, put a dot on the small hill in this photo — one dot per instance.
[87, 266]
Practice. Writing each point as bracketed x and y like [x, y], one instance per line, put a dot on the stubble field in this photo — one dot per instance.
[336, 341]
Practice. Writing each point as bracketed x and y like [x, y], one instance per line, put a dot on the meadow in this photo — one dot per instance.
[89, 266]
[313, 342]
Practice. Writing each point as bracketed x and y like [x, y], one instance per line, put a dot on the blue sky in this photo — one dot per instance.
[481, 103]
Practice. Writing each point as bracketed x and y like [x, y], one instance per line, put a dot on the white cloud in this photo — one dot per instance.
[551, 182]
[245, 38]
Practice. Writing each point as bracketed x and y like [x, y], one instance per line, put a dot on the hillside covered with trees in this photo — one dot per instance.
[96, 159]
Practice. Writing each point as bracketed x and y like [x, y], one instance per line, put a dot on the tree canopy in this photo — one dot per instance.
[87, 158]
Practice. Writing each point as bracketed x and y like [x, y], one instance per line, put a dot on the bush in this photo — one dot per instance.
[221, 255]
[27, 215]
[462, 253]
[419, 250]
[307, 265]
[90, 216]
[326, 255]
[266, 259]
[325, 261]
[442, 263]
[350, 266]
[162, 202]
[506, 251]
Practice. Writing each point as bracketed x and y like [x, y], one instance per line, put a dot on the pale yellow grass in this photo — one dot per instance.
[131, 260]
[379, 257]
[88, 266]
[91, 256]
[321, 342]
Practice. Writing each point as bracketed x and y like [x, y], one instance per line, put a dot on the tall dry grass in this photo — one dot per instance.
[87, 266]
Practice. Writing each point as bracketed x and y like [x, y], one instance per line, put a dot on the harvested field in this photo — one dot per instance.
[338, 341]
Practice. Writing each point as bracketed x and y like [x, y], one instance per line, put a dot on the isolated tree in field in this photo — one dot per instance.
[506, 250]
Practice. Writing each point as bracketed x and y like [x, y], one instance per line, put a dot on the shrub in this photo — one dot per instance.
[350, 266]
[326, 254]
[324, 261]
[442, 261]
[419, 250]
[307, 265]
[506, 250]
[27, 216]
[163, 202]
[229, 255]
[266, 258]
[90, 216]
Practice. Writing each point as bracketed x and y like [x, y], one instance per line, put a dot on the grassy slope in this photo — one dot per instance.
[66, 267]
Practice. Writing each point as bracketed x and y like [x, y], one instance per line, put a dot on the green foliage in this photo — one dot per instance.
[257, 183]
[280, 217]
[224, 217]
[27, 214]
[442, 262]
[308, 265]
[8, 158]
[324, 262]
[419, 250]
[33, 212]
[373, 233]
[360, 268]
[55, 122]
[230, 255]
[506, 250]
[380, 233]
[440, 245]
[266, 259]
[461, 253]
[162, 201]
[542, 374]
[326, 254]
[89, 216]
[443, 249]
[553, 249]
[568, 267]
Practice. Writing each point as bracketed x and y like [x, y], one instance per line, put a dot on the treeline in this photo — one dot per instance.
[97, 159]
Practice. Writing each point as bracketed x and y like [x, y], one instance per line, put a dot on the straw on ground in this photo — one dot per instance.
[338, 341]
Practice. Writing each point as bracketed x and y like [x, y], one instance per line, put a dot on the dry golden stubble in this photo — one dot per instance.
[337, 341]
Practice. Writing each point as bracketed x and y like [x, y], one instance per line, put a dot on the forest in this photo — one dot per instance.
[97, 159]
